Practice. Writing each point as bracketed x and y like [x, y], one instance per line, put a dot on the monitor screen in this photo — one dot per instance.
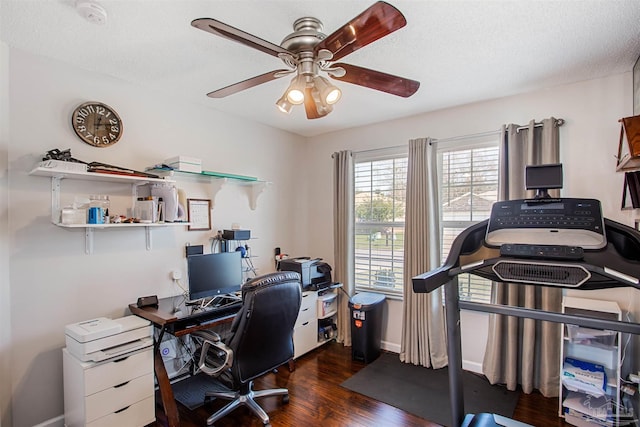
[544, 177]
[214, 274]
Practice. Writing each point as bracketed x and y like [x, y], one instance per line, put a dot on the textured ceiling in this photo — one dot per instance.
[460, 51]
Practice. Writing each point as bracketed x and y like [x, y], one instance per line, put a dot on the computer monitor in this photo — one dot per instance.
[214, 274]
[543, 178]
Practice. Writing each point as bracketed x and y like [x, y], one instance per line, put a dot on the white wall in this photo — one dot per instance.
[53, 282]
[5, 305]
[588, 141]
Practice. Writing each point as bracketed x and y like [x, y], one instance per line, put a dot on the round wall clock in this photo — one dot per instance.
[97, 124]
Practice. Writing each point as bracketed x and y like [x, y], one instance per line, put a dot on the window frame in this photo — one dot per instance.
[398, 152]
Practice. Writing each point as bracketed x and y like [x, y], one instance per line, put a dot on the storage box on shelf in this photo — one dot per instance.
[591, 366]
[185, 164]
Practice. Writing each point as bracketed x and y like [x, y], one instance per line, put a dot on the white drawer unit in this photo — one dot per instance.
[307, 307]
[305, 330]
[318, 308]
[115, 392]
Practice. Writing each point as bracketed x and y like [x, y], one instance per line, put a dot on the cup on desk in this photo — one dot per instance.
[96, 215]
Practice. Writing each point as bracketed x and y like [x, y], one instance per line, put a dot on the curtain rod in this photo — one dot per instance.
[454, 138]
[559, 122]
[463, 137]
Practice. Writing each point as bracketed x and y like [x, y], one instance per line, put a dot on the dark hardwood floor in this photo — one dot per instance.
[316, 399]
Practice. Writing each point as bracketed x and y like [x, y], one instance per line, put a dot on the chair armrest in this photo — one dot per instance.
[211, 341]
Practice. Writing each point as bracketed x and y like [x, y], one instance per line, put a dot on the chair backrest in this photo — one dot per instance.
[262, 333]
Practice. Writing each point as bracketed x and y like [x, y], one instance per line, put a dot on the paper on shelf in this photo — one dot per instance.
[585, 377]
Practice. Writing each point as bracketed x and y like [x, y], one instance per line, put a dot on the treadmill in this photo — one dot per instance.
[559, 242]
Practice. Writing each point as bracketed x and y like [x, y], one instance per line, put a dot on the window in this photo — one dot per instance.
[468, 187]
[379, 205]
[468, 182]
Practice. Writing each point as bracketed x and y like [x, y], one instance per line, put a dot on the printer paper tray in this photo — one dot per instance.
[111, 352]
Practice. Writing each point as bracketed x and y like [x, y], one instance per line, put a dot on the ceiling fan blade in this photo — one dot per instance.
[311, 106]
[246, 84]
[377, 80]
[374, 23]
[228, 32]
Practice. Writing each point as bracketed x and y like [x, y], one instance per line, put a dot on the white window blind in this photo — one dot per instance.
[380, 200]
[468, 187]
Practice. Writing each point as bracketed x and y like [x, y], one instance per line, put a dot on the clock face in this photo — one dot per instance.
[97, 124]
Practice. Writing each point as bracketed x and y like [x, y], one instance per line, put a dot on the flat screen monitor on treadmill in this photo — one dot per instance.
[543, 178]
[214, 274]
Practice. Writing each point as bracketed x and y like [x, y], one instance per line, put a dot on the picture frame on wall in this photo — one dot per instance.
[636, 87]
[199, 214]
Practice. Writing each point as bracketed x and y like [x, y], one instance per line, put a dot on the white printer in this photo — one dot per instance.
[103, 338]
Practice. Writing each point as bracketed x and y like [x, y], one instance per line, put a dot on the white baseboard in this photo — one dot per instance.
[389, 346]
[472, 366]
[53, 422]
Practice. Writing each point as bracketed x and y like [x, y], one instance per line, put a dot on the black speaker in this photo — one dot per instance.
[194, 250]
[151, 300]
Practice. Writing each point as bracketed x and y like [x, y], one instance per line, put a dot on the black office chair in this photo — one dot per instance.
[260, 340]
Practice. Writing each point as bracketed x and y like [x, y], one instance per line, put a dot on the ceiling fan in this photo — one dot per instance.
[308, 53]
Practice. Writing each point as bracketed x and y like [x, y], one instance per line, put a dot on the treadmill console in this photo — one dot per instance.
[547, 221]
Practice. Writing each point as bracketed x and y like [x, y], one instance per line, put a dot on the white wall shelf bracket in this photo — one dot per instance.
[257, 189]
[55, 199]
[88, 240]
[216, 186]
[147, 235]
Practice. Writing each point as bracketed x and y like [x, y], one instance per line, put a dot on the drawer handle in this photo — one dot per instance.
[121, 359]
[120, 385]
[122, 410]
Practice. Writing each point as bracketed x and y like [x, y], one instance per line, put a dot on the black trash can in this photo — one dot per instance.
[366, 326]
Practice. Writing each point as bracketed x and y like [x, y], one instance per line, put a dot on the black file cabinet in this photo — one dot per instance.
[366, 326]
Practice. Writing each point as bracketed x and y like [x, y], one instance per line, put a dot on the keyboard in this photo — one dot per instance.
[219, 310]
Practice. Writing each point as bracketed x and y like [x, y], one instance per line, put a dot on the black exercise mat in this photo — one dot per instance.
[425, 392]
[190, 391]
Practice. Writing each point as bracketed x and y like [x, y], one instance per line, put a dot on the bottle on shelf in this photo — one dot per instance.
[100, 201]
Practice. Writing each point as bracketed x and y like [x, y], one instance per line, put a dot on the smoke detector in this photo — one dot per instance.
[92, 12]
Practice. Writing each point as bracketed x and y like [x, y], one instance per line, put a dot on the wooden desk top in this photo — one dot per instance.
[179, 319]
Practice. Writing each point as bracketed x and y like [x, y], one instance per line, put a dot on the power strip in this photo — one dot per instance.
[634, 378]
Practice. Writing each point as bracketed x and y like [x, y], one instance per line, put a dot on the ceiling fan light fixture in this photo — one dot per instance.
[322, 107]
[295, 91]
[295, 96]
[329, 93]
[284, 105]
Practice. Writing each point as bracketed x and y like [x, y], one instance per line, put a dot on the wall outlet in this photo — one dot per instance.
[176, 274]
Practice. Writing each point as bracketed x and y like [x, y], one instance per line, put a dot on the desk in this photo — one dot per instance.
[173, 316]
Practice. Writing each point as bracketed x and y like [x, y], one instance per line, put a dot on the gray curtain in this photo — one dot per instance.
[423, 325]
[524, 351]
[343, 239]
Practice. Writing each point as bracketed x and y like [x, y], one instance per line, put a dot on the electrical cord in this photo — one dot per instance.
[185, 293]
